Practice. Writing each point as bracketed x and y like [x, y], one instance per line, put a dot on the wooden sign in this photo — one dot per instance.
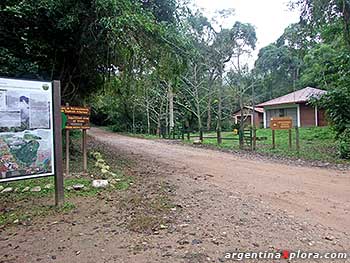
[71, 110]
[281, 123]
[77, 117]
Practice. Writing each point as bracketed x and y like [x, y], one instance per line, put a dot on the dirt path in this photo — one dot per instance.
[220, 203]
[318, 195]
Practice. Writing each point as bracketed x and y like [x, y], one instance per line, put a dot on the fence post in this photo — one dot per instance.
[251, 138]
[219, 139]
[290, 138]
[297, 141]
[201, 134]
[241, 138]
[273, 139]
[254, 139]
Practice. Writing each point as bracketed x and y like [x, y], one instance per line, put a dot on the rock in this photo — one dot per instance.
[197, 142]
[1, 188]
[196, 242]
[7, 190]
[26, 189]
[69, 188]
[183, 242]
[163, 227]
[329, 238]
[49, 186]
[78, 187]
[36, 189]
[99, 183]
[16, 221]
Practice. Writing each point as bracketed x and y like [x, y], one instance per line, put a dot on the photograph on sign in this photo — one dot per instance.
[26, 129]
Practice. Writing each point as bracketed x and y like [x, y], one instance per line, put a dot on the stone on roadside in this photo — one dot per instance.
[36, 189]
[197, 142]
[78, 187]
[26, 189]
[99, 183]
[329, 238]
[7, 190]
[69, 188]
[49, 186]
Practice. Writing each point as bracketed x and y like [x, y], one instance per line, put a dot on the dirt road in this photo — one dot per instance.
[318, 195]
[220, 203]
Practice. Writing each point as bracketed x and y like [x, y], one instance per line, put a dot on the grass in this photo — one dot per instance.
[21, 206]
[316, 144]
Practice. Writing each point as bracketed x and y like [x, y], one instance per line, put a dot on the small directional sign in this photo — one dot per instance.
[76, 117]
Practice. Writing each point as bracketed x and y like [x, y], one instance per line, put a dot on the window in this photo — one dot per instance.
[281, 113]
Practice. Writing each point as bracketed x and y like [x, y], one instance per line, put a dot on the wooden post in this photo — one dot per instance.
[188, 134]
[290, 138]
[59, 187]
[254, 139]
[201, 134]
[297, 141]
[67, 148]
[251, 138]
[273, 139]
[218, 133]
[84, 151]
[241, 137]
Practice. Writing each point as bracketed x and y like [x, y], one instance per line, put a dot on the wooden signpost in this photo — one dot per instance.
[77, 118]
[281, 123]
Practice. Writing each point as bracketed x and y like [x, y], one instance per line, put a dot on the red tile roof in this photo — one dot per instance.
[257, 109]
[298, 96]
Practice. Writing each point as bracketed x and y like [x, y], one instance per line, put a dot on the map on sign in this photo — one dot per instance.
[26, 129]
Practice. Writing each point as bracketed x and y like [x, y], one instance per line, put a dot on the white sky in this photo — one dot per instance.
[270, 17]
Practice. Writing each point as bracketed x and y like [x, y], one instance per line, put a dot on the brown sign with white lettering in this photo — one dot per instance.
[77, 117]
[281, 123]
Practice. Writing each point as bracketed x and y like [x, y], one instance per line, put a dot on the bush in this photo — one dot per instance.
[344, 144]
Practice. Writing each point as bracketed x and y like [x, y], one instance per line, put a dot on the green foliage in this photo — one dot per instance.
[80, 42]
[344, 144]
[336, 102]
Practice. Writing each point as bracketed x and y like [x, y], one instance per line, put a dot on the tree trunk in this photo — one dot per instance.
[133, 119]
[219, 124]
[209, 114]
[148, 118]
[198, 106]
[171, 110]
[167, 118]
[241, 123]
[210, 86]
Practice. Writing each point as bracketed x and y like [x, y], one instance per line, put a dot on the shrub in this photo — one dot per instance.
[344, 144]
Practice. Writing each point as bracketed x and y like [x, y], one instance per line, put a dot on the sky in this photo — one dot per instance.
[269, 17]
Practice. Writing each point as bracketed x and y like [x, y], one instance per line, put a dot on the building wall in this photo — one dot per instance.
[259, 122]
[322, 118]
[282, 111]
[258, 118]
[307, 115]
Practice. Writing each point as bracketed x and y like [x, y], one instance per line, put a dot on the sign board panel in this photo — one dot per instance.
[76, 117]
[26, 129]
[281, 123]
